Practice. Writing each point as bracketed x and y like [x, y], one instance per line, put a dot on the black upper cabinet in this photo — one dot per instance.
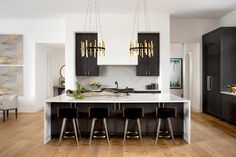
[149, 66]
[218, 67]
[85, 66]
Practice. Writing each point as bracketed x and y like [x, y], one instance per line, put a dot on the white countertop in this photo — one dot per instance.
[132, 98]
[228, 93]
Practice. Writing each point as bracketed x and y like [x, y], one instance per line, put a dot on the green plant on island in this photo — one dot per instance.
[78, 93]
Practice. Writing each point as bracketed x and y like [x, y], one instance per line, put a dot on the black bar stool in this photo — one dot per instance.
[133, 114]
[96, 114]
[166, 114]
[71, 114]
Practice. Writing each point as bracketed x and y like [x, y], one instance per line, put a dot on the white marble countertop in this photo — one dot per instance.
[228, 93]
[132, 98]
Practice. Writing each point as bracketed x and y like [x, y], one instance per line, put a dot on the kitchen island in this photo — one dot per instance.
[181, 124]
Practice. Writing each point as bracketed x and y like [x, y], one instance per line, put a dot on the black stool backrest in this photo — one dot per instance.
[98, 112]
[66, 112]
[166, 112]
[133, 113]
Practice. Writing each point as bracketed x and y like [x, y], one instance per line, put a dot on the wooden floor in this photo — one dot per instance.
[24, 138]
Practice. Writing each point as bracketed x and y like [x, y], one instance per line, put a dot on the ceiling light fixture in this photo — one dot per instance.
[146, 47]
[93, 48]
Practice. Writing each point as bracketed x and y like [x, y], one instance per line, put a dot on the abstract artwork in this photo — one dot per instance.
[11, 49]
[11, 64]
[175, 73]
[11, 80]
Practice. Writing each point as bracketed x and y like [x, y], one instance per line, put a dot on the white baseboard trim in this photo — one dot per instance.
[30, 109]
[195, 109]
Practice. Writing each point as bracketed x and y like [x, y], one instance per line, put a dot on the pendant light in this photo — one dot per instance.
[93, 48]
[146, 47]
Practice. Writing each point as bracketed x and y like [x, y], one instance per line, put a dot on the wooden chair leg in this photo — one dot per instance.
[16, 112]
[7, 113]
[3, 115]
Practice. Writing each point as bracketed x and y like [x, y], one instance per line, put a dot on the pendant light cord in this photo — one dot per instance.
[135, 23]
[86, 16]
[99, 21]
[146, 15]
[136, 17]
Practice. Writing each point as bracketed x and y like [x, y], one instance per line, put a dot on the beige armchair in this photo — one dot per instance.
[8, 102]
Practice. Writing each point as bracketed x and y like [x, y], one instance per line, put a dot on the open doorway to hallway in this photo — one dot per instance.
[190, 54]
[49, 59]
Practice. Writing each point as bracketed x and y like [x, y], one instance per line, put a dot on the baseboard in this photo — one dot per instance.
[195, 109]
[30, 109]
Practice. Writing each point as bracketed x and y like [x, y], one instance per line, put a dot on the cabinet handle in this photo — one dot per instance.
[146, 72]
[149, 72]
[88, 72]
[209, 83]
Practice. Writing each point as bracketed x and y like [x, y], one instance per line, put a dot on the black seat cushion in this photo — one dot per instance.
[166, 112]
[65, 112]
[98, 112]
[133, 113]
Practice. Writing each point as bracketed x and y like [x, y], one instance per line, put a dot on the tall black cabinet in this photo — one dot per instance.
[219, 55]
[85, 66]
[149, 66]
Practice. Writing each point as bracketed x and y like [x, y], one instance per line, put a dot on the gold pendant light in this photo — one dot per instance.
[93, 48]
[146, 47]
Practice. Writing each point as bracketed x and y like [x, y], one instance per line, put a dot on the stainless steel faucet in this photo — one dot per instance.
[116, 83]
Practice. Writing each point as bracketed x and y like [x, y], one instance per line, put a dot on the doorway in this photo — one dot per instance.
[49, 59]
[191, 84]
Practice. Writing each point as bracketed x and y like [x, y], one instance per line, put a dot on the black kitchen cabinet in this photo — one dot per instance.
[229, 108]
[218, 67]
[85, 66]
[149, 66]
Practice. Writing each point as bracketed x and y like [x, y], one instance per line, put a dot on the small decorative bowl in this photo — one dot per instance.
[95, 85]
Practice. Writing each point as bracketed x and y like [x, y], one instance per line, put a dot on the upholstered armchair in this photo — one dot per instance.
[8, 102]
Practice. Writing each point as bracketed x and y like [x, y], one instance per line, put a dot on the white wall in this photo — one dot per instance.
[190, 30]
[228, 20]
[158, 23]
[34, 31]
[49, 60]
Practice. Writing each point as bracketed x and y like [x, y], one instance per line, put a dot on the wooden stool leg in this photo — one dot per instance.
[171, 131]
[158, 130]
[91, 131]
[140, 131]
[106, 130]
[7, 113]
[75, 130]
[126, 127]
[62, 130]
[77, 123]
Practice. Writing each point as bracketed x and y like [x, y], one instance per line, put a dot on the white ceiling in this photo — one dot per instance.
[58, 8]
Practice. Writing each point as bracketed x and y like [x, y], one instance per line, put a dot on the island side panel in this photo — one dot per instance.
[47, 122]
[187, 122]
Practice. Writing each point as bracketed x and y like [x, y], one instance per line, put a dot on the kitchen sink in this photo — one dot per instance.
[120, 90]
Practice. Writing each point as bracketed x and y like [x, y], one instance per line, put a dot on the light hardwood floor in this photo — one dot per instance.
[24, 138]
